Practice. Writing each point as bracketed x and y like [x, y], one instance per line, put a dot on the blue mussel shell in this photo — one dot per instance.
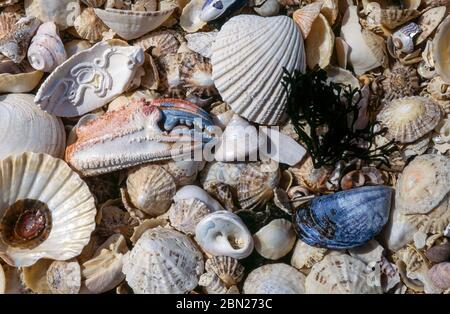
[344, 219]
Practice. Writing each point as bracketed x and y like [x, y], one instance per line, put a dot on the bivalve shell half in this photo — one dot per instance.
[249, 54]
[440, 275]
[428, 22]
[319, 44]
[441, 50]
[89, 26]
[184, 215]
[61, 12]
[228, 269]
[305, 255]
[275, 240]
[305, 16]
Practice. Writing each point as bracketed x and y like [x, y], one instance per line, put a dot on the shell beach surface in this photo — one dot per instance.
[225, 147]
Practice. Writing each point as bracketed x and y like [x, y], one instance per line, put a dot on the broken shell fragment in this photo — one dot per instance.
[305, 16]
[275, 240]
[440, 275]
[319, 45]
[428, 22]
[64, 277]
[305, 255]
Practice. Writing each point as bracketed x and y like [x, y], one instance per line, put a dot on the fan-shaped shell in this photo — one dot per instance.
[196, 75]
[410, 118]
[305, 16]
[160, 43]
[344, 219]
[64, 277]
[43, 191]
[423, 184]
[163, 261]
[339, 274]
[428, 22]
[61, 12]
[27, 128]
[248, 57]
[184, 215]
[201, 42]
[319, 45]
[275, 279]
[275, 240]
[89, 26]
[441, 50]
[228, 269]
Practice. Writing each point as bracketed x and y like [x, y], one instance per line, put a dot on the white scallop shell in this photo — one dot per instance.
[163, 261]
[441, 50]
[27, 128]
[275, 240]
[248, 57]
[62, 12]
[224, 233]
[71, 205]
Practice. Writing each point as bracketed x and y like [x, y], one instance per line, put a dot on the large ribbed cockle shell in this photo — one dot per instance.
[248, 57]
[344, 219]
[163, 261]
[46, 210]
[138, 133]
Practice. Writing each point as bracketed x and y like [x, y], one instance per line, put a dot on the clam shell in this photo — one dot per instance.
[90, 79]
[19, 83]
[89, 26]
[190, 19]
[275, 240]
[441, 50]
[319, 45]
[34, 278]
[339, 274]
[305, 255]
[423, 184]
[390, 18]
[201, 42]
[59, 193]
[64, 277]
[440, 275]
[410, 118]
[428, 22]
[305, 16]
[133, 24]
[247, 68]
[26, 128]
[275, 279]
[61, 12]
[344, 219]
[184, 215]
[228, 269]
[163, 261]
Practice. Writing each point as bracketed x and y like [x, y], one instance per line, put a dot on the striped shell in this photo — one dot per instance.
[248, 57]
[391, 18]
[89, 26]
[441, 50]
[160, 43]
[7, 21]
[228, 269]
[184, 215]
[401, 80]
[305, 16]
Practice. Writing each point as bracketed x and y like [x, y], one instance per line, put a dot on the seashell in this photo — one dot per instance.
[146, 225]
[34, 278]
[163, 261]
[330, 10]
[134, 24]
[160, 43]
[94, 3]
[2, 280]
[15, 44]
[312, 178]
[169, 66]
[196, 76]
[439, 253]
[344, 219]
[192, 191]
[401, 81]
[7, 22]
[305, 16]
[442, 138]
[184, 215]
[275, 240]
[377, 46]
[410, 118]
[46, 50]
[75, 46]
[13, 283]
[305, 255]
[274, 279]
[89, 26]
[190, 19]
[89, 79]
[253, 93]
[342, 52]
[423, 184]
[402, 39]
[438, 89]
[213, 9]
[39, 211]
[104, 271]
[352, 180]
[372, 251]
[151, 189]
[341, 274]
[268, 8]
[428, 22]
[319, 45]
[390, 18]
[441, 50]
[19, 83]
[224, 233]
[201, 42]
[184, 171]
[61, 12]
[228, 269]
[256, 184]
[64, 277]
[112, 220]
[5, 3]
[212, 284]
[145, 5]
[440, 275]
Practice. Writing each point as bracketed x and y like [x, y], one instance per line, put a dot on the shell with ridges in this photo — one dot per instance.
[441, 50]
[428, 22]
[196, 75]
[401, 80]
[94, 3]
[305, 16]
[312, 178]
[89, 26]
[184, 215]
[7, 21]
[160, 43]
[319, 45]
[228, 269]
[64, 277]
[390, 18]
[275, 240]
[61, 12]
[305, 255]
[201, 42]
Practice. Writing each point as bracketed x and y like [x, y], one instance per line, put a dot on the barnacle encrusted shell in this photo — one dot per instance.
[89, 26]
[64, 277]
[228, 269]
[61, 12]
[423, 184]
[47, 210]
[401, 80]
[275, 279]
[275, 240]
[319, 45]
[163, 261]
[184, 215]
[27, 128]
[341, 274]
[410, 118]
[441, 50]
[305, 16]
[305, 255]
[247, 68]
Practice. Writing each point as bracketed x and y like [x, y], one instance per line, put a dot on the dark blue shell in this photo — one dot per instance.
[344, 219]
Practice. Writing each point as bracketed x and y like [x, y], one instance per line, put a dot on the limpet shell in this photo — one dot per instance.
[89, 26]
[275, 240]
[305, 255]
[64, 277]
[184, 215]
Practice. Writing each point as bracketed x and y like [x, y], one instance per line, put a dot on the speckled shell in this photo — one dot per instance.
[61, 12]
[401, 80]
[70, 203]
[319, 45]
[163, 261]
[201, 42]
[27, 128]
[340, 274]
[307, 176]
[196, 76]
[391, 18]
[275, 240]
[344, 219]
[7, 21]
[440, 275]
[428, 22]
[275, 279]
[228, 269]
[184, 215]
[305, 255]
[247, 68]
[46, 50]
[305, 16]
[64, 277]
[159, 43]
[441, 50]
[423, 184]
[89, 26]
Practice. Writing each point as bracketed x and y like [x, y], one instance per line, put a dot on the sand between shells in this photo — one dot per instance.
[322, 130]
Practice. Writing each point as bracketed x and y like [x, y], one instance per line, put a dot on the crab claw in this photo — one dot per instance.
[139, 133]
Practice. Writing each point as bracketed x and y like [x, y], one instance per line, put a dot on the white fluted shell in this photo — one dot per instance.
[70, 204]
[163, 261]
[275, 279]
[248, 57]
[26, 128]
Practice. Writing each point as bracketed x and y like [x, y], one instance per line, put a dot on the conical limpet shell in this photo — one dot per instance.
[89, 26]
[184, 215]
[228, 269]
[275, 240]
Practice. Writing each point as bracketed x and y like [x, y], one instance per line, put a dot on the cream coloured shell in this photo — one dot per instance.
[160, 43]
[27, 128]
[190, 19]
[305, 255]
[201, 42]
[89, 26]
[428, 22]
[212, 284]
[7, 21]
[184, 215]
[319, 45]
[390, 18]
[247, 68]
[441, 50]
[275, 240]
[5, 3]
[275, 279]
[94, 3]
[46, 50]
[64, 277]
[163, 261]
[58, 194]
[2, 280]
[196, 75]
[228, 269]
[61, 12]
[305, 16]
[33, 278]
[312, 178]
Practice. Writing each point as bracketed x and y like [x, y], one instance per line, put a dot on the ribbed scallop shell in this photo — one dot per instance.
[163, 261]
[319, 44]
[341, 274]
[27, 128]
[160, 43]
[275, 279]
[89, 26]
[248, 57]
[305, 16]
[70, 203]
[184, 215]
[228, 269]
[441, 50]
[423, 184]
[201, 42]
[410, 118]
[196, 74]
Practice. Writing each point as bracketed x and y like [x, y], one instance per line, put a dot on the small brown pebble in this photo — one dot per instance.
[439, 253]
